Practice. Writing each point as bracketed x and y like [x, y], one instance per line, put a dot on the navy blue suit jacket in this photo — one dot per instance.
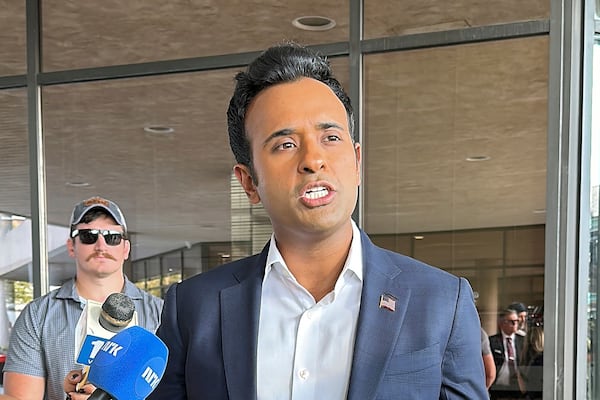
[428, 348]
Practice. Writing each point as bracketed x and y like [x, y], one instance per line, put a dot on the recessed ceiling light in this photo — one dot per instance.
[478, 158]
[419, 237]
[539, 211]
[159, 130]
[314, 23]
[77, 184]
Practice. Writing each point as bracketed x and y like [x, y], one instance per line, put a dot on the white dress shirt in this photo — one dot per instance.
[305, 348]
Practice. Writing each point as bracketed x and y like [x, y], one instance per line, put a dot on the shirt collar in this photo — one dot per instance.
[353, 262]
[68, 291]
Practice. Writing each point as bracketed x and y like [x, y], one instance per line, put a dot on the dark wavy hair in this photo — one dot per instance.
[282, 63]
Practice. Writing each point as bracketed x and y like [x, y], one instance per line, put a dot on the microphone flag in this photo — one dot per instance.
[129, 366]
[90, 335]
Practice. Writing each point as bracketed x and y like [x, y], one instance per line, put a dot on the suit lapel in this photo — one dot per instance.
[240, 306]
[376, 334]
[378, 328]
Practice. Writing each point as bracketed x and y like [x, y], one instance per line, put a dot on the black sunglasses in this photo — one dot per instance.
[90, 236]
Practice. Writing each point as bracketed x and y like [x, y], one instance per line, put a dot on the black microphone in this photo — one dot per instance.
[117, 312]
[128, 366]
[100, 321]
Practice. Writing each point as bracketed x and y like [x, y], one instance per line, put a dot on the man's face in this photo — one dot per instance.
[307, 167]
[510, 324]
[98, 259]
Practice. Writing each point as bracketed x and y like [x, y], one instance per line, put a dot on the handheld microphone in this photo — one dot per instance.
[100, 321]
[117, 312]
[128, 366]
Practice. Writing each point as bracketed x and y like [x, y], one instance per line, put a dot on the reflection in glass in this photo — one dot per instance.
[89, 33]
[392, 18]
[455, 164]
[13, 38]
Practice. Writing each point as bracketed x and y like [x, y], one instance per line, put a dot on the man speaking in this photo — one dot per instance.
[321, 313]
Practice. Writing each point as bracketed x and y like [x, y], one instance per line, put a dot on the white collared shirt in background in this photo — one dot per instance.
[305, 348]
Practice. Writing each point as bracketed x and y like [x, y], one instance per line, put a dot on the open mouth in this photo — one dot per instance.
[316, 192]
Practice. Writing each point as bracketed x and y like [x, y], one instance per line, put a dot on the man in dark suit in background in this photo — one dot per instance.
[507, 349]
[321, 313]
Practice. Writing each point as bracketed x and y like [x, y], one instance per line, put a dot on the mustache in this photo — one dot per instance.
[101, 254]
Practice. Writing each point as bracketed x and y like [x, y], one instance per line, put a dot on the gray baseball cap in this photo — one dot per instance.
[518, 307]
[84, 206]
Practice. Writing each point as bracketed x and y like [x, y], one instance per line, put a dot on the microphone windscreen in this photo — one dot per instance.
[130, 364]
[117, 312]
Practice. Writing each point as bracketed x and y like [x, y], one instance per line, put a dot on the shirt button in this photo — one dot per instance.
[303, 374]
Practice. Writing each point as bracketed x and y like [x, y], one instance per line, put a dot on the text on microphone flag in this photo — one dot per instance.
[89, 349]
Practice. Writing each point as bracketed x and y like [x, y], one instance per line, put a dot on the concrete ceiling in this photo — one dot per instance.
[426, 111]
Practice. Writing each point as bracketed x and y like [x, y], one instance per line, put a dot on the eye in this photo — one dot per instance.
[285, 145]
[333, 138]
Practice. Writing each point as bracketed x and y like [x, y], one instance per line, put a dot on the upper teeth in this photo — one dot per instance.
[316, 192]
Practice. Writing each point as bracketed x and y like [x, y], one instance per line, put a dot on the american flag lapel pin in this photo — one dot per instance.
[387, 301]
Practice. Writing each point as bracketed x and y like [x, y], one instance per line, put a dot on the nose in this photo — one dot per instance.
[312, 160]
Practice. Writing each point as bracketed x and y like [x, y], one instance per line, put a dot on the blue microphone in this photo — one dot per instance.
[128, 366]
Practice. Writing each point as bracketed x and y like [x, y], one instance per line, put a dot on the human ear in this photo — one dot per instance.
[71, 247]
[244, 176]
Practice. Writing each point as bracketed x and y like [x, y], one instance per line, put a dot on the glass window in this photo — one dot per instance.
[455, 164]
[89, 33]
[192, 261]
[392, 18]
[16, 288]
[157, 146]
[13, 38]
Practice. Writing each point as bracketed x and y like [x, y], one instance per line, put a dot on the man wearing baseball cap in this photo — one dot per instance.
[521, 310]
[42, 345]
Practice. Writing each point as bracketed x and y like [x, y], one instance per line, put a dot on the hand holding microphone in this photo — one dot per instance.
[72, 387]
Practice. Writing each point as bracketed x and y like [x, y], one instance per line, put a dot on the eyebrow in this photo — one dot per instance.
[276, 134]
[288, 131]
[327, 125]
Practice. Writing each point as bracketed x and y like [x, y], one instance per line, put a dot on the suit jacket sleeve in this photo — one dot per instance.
[463, 375]
[172, 385]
